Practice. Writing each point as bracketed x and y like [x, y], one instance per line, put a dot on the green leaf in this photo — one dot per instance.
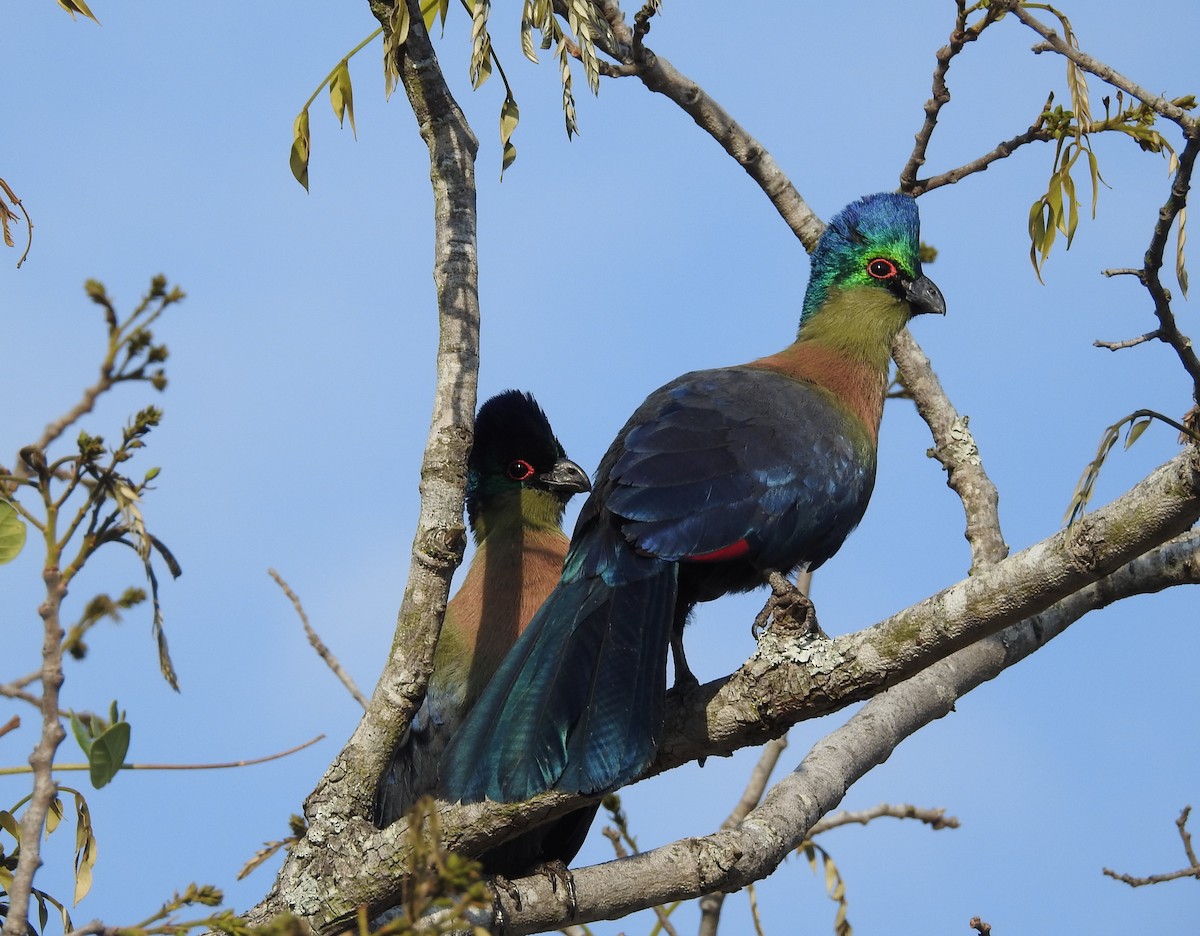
[12, 532]
[82, 736]
[341, 95]
[300, 148]
[108, 754]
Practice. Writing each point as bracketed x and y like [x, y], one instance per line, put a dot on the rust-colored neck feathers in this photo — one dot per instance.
[844, 347]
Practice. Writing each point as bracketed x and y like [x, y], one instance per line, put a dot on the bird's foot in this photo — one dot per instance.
[501, 883]
[556, 872]
[789, 611]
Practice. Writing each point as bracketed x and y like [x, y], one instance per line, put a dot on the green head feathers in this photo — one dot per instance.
[873, 243]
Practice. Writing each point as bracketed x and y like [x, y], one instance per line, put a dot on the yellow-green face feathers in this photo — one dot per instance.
[517, 471]
[872, 243]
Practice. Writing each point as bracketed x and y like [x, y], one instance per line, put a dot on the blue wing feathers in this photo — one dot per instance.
[710, 460]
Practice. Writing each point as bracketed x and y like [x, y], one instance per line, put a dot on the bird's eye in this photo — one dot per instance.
[882, 269]
[520, 470]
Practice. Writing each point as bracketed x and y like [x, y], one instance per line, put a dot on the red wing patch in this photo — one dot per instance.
[732, 551]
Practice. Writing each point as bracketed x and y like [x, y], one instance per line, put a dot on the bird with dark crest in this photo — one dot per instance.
[717, 480]
[519, 481]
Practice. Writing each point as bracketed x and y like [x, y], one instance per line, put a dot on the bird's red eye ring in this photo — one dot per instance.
[882, 269]
[520, 470]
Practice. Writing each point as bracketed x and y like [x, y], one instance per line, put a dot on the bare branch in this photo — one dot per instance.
[960, 35]
[1035, 134]
[1129, 342]
[319, 645]
[1176, 202]
[1055, 43]
[936, 819]
[1192, 871]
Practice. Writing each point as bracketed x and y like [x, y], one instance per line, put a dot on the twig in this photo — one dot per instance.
[1128, 342]
[11, 725]
[934, 818]
[1193, 870]
[1036, 133]
[317, 644]
[6, 771]
[1176, 202]
[1054, 43]
[959, 37]
[12, 197]
[13, 690]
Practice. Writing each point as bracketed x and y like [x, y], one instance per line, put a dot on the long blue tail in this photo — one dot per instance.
[577, 704]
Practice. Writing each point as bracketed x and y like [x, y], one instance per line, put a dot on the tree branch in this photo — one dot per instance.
[945, 646]
[333, 847]
[1192, 871]
[33, 820]
[936, 819]
[1055, 43]
[732, 858]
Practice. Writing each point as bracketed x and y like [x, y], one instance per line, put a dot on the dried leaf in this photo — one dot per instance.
[1135, 432]
[300, 148]
[481, 43]
[527, 31]
[1181, 239]
[85, 849]
[579, 16]
[80, 7]
[509, 117]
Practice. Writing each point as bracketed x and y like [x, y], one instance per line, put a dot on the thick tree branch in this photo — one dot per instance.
[756, 786]
[944, 646]
[329, 852]
[33, 820]
[730, 859]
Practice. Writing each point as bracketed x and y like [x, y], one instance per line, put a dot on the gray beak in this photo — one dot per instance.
[924, 296]
[565, 478]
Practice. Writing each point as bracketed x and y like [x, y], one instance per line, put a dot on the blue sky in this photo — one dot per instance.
[301, 381]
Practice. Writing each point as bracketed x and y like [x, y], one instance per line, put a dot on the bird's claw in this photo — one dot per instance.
[557, 873]
[788, 610]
